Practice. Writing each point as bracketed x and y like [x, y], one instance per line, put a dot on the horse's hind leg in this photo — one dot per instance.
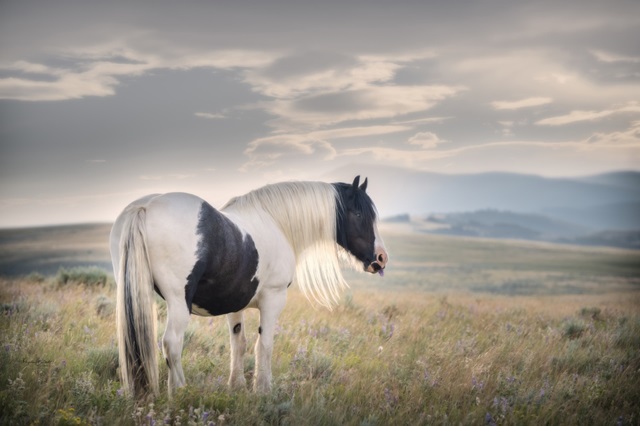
[177, 321]
[238, 347]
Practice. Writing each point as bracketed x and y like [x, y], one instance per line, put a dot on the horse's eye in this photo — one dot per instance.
[358, 214]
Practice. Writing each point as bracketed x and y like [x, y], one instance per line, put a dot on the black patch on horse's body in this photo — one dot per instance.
[223, 279]
[237, 328]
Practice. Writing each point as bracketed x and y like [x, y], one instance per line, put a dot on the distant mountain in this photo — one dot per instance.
[618, 216]
[625, 239]
[504, 224]
[607, 201]
[601, 209]
[629, 180]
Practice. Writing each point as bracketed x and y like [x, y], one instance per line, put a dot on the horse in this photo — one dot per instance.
[210, 262]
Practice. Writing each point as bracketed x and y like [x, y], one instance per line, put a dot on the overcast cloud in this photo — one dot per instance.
[102, 102]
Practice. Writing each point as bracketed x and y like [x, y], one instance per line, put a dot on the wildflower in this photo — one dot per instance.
[120, 392]
[150, 420]
[502, 403]
[488, 419]
[390, 398]
[475, 384]
[301, 355]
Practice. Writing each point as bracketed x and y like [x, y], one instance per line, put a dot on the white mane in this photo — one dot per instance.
[306, 214]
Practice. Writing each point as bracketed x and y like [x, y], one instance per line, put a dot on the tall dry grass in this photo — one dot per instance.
[382, 357]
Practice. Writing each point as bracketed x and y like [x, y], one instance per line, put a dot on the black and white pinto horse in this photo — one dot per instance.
[208, 262]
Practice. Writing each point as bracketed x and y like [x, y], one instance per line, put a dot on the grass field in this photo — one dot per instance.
[457, 332]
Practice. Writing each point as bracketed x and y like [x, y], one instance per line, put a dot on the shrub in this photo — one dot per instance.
[573, 329]
[90, 276]
[593, 312]
[104, 306]
[103, 361]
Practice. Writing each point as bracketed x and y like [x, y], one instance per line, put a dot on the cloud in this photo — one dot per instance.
[265, 151]
[368, 103]
[308, 73]
[523, 103]
[210, 116]
[311, 90]
[69, 86]
[425, 140]
[629, 137]
[605, 151]
[96, 71]
[609, 57]
[422, 120]
[577, 116]
[171, 176]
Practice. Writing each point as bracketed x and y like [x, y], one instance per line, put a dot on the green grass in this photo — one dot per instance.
[457, 332]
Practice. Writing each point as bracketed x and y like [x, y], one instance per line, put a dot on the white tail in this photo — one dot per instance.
[135, 308]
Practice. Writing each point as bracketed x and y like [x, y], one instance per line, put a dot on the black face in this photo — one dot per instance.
[355, 220]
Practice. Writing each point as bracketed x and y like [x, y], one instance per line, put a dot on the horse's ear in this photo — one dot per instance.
[364, 185]
[356, 182]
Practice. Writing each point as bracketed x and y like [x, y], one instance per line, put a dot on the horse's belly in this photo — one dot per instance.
[226, 291]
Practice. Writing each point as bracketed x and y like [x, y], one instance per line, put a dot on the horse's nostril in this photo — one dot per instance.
[376, 267]
[380, 258]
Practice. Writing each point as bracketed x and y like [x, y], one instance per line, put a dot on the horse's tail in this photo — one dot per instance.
[135, 308]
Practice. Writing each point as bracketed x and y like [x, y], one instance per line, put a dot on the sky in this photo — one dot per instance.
[103, 102]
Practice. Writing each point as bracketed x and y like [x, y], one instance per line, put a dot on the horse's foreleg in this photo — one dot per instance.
[177, 321]
[238, 348]
[270, 307]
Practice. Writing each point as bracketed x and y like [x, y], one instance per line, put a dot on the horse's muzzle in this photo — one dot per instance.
[378, 265]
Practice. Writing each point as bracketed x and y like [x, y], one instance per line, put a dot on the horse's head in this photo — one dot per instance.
[356, 226]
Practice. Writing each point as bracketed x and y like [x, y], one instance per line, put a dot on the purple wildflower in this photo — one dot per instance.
[150, 420]
[475, 384]
[301, 355]
[390, 398]
[488, 419]
[502, 403]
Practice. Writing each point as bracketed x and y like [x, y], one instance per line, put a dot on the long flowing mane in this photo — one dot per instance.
[306, 214]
